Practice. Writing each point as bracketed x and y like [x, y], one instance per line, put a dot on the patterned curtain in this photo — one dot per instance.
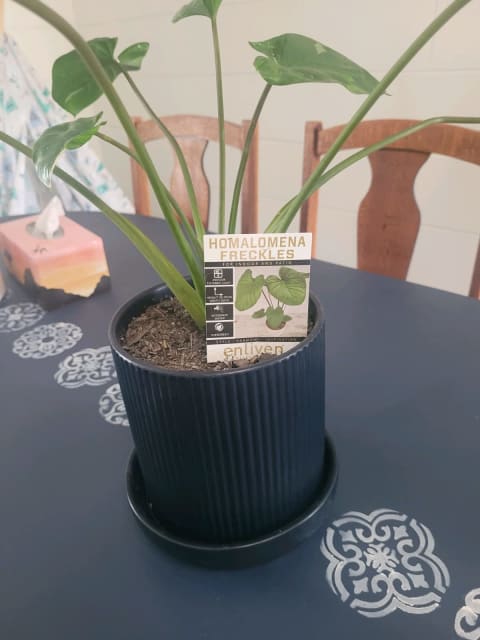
[26, 110]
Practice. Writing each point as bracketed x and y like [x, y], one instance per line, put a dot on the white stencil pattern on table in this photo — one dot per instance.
[112, 407]
[47, 340]
[467, 620]
[92, 367]
[22, 315]
[382, 562]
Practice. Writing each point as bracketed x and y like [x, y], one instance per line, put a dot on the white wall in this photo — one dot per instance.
[40, 43]
[443, 79]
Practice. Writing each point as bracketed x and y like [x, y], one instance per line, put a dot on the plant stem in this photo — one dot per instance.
[221, 127]
[194, 242]
[188, 229]
[197, 221]
[372, 98]
[264, 295]
[232, 223]
[285, 217]
[117, 144]
[187, 296]
[89, 58]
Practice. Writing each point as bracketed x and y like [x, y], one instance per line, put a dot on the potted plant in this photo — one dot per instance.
[229, 464]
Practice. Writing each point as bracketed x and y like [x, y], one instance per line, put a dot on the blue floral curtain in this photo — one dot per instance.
[26, 110]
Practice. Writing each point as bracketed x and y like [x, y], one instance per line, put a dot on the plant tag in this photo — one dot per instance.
[256, 293]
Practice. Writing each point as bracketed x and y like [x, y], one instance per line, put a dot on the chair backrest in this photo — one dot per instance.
[193, 134]
[388, 217]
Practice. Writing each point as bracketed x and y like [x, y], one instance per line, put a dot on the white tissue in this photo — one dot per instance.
[48, 222]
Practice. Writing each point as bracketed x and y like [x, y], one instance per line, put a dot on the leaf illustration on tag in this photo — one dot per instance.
[249, 290]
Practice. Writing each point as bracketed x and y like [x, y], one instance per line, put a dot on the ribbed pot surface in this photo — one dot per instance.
[226, 455]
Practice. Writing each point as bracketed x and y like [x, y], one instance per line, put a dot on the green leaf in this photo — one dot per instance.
[258, 314]
[207, 8]
[73, 86]
[249, 290]
[290, 288]
[292, 58]
[286, 318]
[131, 59]
[69, 135]
[213, 6]
[275, 317]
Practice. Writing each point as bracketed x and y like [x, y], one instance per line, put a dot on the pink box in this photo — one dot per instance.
[3, 287]
[70, 266]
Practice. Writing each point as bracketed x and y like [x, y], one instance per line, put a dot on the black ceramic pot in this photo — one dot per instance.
[227, 456]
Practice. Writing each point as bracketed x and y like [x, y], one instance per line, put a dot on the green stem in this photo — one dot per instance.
[232, 223]
[221, 127]
[117, 145]
[197, 220]
[284, 218]
[372, 98]
[264, 295]
[186, 295]
[194, 242]
[89, 58]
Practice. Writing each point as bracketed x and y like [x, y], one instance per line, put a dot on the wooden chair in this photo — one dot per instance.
[193, 134]
[388, 217]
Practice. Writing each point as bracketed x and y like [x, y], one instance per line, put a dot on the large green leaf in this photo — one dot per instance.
[290, 288]
[131, 59]
[275, 318]
[207, 8]
[69, 135]
[249, 290]
[73, 86]
[292, 58]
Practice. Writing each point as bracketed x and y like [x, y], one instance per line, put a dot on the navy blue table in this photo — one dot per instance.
[403, 408]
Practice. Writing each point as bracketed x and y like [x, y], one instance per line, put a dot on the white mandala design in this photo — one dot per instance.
[384, 561]
[92, 367]
[47, 340]
[467, 620]
[16, 317]
[112, 408]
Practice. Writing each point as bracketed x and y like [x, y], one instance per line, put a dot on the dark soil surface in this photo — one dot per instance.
[165, 335]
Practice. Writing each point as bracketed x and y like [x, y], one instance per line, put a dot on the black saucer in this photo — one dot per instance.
[241, 554]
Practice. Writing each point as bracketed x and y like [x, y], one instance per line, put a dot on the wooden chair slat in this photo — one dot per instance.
[389, 217]
[193, 134]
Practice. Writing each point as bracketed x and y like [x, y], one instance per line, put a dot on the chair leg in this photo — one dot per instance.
[140, 184]
[475, 286]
